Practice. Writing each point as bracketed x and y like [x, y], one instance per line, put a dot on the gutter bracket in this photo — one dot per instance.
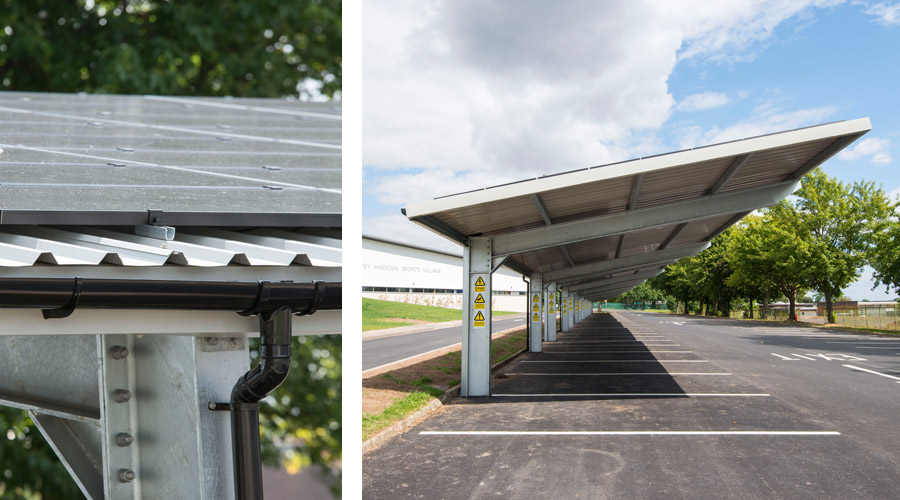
[316, 302]
[68, 309]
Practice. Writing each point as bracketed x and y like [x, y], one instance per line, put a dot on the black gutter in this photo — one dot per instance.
[60, 296]
[273, 302]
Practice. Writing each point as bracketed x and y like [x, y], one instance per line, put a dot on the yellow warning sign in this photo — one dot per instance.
[536, 298]
[479, 320]
[552, 311]
[479, 302]
[535, 317]
[536, 308]
[479, 285]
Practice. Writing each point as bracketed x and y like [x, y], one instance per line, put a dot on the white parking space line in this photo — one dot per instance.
[872, 372]
[629, 433]
[620, 345]
[637, 394]
[546, 351]
[885, 347]
[614, 374]
[802, 356]
[618, 361]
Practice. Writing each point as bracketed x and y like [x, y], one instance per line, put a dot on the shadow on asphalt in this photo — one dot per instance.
[598, 359]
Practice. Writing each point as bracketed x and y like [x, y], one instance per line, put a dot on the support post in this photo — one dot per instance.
[475, 379]
[552, 306]
[535, 343]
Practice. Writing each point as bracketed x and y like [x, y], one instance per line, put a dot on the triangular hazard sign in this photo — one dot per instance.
[535, 308]
[479, 282]
[535, 318]
[479, 299]
[536, 298]
[479, 317]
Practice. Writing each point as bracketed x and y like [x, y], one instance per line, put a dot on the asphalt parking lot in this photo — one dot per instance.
[654, 406]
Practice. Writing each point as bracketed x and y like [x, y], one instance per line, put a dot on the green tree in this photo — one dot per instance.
[885, 256]
[263, 48]
[28, 467]
[839, 222]
[752, 275]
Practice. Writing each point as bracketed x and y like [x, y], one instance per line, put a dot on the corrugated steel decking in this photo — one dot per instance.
[93, 153]
[693, 195]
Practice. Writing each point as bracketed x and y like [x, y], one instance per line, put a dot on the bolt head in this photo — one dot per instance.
[122, 395]
[126, 475]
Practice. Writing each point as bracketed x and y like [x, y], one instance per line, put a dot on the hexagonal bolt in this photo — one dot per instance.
[119, 352]
[124, 439]
[126, 475]
[122, 395]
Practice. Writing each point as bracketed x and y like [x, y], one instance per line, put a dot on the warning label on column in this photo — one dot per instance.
[479, 301]
[479, 285]
[536, 308]
[535, 317]
[552, 308]
[536, 298]
[479, 320]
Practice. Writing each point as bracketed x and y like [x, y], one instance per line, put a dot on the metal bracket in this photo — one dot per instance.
[165, 233]
[213, 406]
[317, 301]
[68, 309]
[154, 217]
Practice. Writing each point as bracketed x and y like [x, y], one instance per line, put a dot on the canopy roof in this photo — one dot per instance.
[109, 159]
[608, 228]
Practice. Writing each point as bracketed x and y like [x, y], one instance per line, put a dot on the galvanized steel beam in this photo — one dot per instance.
[609, 225]
[624, 263]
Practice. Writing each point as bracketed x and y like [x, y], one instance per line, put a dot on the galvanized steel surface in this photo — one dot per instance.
[135, 153]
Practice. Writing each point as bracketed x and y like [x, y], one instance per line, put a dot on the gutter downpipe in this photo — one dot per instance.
[273, 302]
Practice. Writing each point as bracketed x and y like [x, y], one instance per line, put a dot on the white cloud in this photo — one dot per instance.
[466, 87]
[886, 14]
[702, 101]
[874, 147]
[396, 227]
[764, 119]
[895, 194]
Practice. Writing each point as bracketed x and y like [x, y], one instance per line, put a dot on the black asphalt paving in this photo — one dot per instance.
[659, 406]
[381, 351]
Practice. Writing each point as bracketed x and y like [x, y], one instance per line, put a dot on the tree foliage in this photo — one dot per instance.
[263, 48]
[818, 240]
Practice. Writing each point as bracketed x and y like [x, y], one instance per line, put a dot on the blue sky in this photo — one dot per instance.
[464, 94]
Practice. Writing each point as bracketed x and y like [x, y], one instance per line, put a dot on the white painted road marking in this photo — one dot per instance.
[619, 361]
[630, 433]
[608, 374]
[636, 394]
[785, 358]
[872, 372]
[547, 351]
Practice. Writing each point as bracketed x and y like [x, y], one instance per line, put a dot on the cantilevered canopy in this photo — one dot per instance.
[603, 230]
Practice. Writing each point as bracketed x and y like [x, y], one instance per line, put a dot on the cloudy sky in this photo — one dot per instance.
[463, 94]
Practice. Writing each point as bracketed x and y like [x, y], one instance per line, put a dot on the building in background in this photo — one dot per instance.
[402, 272]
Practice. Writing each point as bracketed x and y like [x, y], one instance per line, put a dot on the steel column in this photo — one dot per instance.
[535, 332]
[552, 306]
[475, 379]
[565, 301]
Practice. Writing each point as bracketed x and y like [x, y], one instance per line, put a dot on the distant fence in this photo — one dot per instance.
[618, 306]
[880, 316]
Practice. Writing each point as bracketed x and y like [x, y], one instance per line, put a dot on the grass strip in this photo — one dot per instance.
[379, 314]
[423, 382]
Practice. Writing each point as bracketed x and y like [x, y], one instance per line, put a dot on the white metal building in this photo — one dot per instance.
[402, 272]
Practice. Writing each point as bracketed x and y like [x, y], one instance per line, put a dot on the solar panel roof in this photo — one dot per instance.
[586, 227]
[94, 159]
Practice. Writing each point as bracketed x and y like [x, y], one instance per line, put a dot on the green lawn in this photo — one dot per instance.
[378, 314]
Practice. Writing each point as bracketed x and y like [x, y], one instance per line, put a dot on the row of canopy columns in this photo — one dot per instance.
[546, 302]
